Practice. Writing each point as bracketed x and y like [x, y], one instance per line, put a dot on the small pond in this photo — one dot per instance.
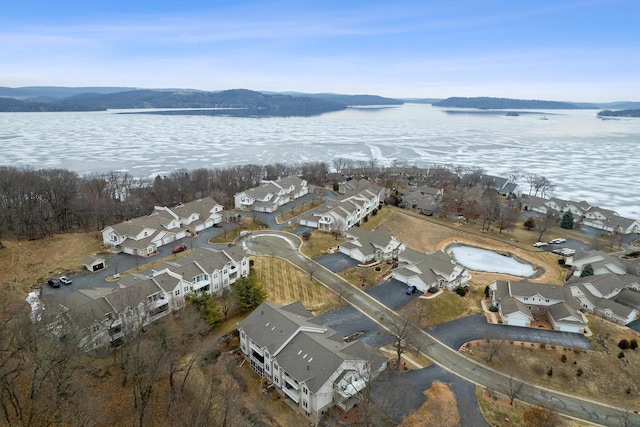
[489, 261]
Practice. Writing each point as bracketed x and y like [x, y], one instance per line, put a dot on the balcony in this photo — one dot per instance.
[291, 393]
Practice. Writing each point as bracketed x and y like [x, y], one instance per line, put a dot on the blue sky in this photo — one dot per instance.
[582, 50]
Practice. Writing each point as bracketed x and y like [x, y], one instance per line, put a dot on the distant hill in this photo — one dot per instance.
[10, 105]
[422, 100]
[504, 103]
[251, 102]
[36, 93]
[349, 100]
[619, 113]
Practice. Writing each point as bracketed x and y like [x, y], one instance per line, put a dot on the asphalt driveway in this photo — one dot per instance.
[401, 393]
[460, 331]
[347, 320]
[336, 262]
[392, 293]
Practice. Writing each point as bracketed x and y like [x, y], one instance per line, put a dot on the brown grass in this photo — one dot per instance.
[366, 277]
[443, 308]
[498, 412]
[319, 244]
[291, 213]
[439, 410]
[285, 284]
[605, 377]
[25, 264]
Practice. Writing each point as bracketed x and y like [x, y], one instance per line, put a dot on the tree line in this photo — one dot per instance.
[36, 203]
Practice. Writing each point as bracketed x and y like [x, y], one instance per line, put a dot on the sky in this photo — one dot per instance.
[564, 50]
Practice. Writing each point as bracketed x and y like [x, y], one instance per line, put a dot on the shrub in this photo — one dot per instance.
[543, 344]
[579, 372]
[493, 309]
[621, 355]
[628, 390]
[433, 290]
[461, 291]
[550, 371]
[633, 344]
[624, 344]
[561, 261]
[563, 358]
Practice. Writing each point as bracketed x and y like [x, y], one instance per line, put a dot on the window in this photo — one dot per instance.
[114, 238]
[178, 292]
[305, 404]
[304, 390]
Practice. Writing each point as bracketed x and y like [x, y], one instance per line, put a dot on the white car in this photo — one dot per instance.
[558, 241]
[65, 280]
[539, 244]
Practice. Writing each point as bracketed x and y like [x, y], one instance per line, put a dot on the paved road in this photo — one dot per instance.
[285, 245]
[471, 328]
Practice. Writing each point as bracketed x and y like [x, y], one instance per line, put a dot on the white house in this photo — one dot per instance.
[270, 195]
[347, 211]
[601, 262]
[144, 235]
[425, 271]
[519, 302]
[308, 364]
[367, 246]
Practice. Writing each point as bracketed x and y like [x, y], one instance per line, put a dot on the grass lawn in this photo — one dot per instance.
[25, 264]
[319, 244]
[285, 284]
[443, 308]
[366, 277]
[298, 210]
[598, 375]
[246, 224]
[498, 412]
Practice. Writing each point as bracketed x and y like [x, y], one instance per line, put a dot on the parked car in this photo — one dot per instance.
[411, 290]
[539, 244]
[65, 280]
[54, 283]
[179, 248]
[557, 241]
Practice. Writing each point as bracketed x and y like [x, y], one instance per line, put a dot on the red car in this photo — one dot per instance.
[179, 248]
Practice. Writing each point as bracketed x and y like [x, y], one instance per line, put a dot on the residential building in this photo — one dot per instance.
[425, 271]
[369, 246]
[144, 235]
[520, 302]
[308, 364]
[602, 263]
[270, 195]
[347, 211]
[105, 315]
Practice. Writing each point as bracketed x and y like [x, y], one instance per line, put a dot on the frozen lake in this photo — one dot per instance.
[485, 260]
[587, 158]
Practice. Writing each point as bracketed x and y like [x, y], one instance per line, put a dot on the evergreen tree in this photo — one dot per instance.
[567, 220]
[207, 307]
[587, 270]
[249, 294]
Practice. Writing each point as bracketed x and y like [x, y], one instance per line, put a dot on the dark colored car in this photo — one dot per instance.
[179, 248]
[411, 290]
[54, 283]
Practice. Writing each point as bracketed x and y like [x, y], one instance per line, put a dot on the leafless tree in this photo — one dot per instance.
[310, 267]
[401, 330]
[514, 388]
[542, 224]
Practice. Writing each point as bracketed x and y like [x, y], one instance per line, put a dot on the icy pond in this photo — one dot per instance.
[489, 261]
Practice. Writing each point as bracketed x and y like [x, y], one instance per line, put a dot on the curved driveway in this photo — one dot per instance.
[285, 245]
